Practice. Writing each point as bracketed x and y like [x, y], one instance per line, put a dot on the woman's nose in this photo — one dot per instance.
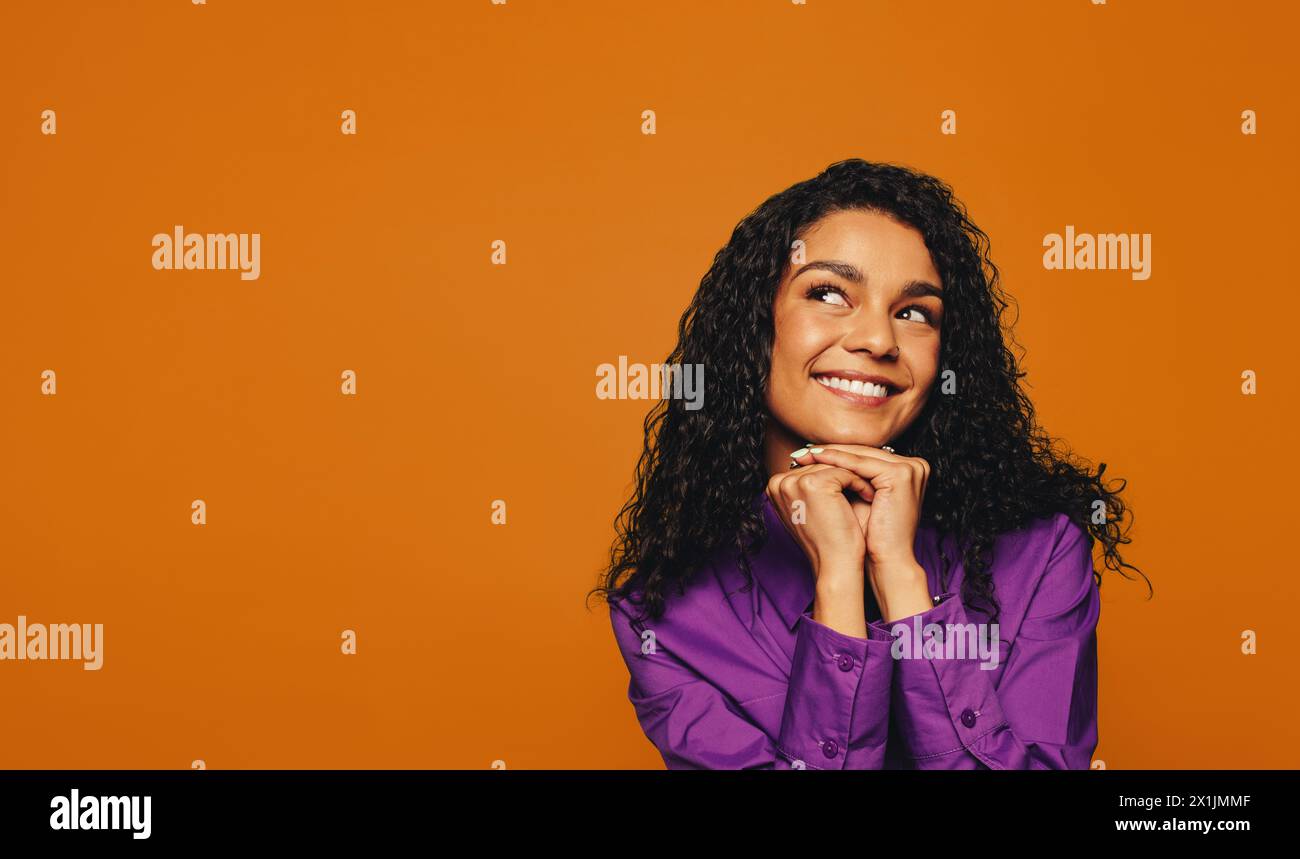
[871, 330]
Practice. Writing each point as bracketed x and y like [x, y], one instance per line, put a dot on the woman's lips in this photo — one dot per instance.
[862, 399]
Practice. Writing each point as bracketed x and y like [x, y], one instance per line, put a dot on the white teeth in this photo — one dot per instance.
[857, 386]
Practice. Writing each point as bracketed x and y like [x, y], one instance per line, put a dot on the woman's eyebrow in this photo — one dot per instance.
[850, 272]
[918, 288]
[846, 270]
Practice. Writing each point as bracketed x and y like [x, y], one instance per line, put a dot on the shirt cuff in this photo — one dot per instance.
[944, 697]
[836, 707]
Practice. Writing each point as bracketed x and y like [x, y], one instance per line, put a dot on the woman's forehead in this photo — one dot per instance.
[867, 239]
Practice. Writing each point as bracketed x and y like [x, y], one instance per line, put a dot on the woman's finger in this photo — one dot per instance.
[809, 461]
[828, 477]
[871, 466]
[860, 464]
[861, 450]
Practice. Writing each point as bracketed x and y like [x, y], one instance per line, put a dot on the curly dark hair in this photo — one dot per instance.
[992, 468]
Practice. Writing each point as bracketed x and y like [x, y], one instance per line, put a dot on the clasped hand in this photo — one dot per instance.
[854, 510]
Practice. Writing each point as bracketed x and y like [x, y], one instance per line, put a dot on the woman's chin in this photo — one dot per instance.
[867, 438]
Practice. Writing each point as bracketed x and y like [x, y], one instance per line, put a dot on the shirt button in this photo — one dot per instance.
[830, 748]
[968, 717]
[845, 662]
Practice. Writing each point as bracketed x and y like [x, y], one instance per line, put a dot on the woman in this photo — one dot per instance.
[772, 599]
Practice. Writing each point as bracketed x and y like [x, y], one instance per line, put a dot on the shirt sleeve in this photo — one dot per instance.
[836, 713]
[1043, 712]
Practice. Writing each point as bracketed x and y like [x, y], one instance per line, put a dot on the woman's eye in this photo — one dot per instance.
[926, 315]
[820, 292]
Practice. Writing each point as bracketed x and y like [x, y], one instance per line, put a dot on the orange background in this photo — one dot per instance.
[476, 382]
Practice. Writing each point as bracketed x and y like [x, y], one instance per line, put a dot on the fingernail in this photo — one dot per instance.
[798, 453]
[817, 449]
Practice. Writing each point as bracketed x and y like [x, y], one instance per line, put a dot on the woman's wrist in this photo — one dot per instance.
[837, 602]
[841, 572]
[901, 589]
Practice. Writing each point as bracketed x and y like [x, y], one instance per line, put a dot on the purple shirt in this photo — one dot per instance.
[735, 680]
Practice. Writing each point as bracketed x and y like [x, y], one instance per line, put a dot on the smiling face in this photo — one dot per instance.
[862, 309]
